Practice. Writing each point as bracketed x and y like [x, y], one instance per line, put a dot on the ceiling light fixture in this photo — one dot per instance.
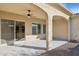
[28, 13]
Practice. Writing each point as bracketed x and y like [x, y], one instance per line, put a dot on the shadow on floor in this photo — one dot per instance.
[69, 49]
[75, 51]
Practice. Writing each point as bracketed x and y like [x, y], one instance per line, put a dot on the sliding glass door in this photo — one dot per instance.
[11, 31]
[20, 31]
[7, 32]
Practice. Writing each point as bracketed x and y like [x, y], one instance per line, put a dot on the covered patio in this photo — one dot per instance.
[28, 48]
[41, 15]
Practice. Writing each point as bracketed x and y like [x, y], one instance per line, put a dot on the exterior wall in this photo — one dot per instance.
[11, 16]
[29, 26]
[60, 31]
[28, 22]
[75, 28]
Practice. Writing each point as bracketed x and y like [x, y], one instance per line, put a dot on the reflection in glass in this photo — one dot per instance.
[36, 28]
[20, 31]
[7, 32]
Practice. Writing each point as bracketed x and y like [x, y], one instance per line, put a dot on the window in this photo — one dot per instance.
[36, 28]
[44, 29]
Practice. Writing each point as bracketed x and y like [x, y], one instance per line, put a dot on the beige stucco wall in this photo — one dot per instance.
[29, 26]
[60, 31]
[75, 28]
[28, 22]
[11, 16]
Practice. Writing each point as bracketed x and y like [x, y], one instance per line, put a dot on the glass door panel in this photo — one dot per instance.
[20, 31]
[7, 32]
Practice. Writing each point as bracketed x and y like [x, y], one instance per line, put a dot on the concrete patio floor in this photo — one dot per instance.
[28, 48]
[40, 43]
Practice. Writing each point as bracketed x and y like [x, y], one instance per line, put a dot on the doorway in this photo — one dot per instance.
[20, 31]
[12, 31]
[7, 32]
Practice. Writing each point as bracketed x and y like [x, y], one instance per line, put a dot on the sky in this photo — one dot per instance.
[74, 7]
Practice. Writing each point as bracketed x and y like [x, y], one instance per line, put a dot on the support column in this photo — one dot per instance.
[49, 35]
[69, 30]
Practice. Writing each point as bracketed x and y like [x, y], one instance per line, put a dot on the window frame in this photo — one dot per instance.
[38, 30]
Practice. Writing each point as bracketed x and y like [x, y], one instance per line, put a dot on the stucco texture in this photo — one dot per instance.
[75, 28]
[60, 29]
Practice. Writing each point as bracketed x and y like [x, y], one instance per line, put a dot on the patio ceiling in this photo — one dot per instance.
[22, 8]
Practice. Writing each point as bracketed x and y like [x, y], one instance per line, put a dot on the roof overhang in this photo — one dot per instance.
[61, 7]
